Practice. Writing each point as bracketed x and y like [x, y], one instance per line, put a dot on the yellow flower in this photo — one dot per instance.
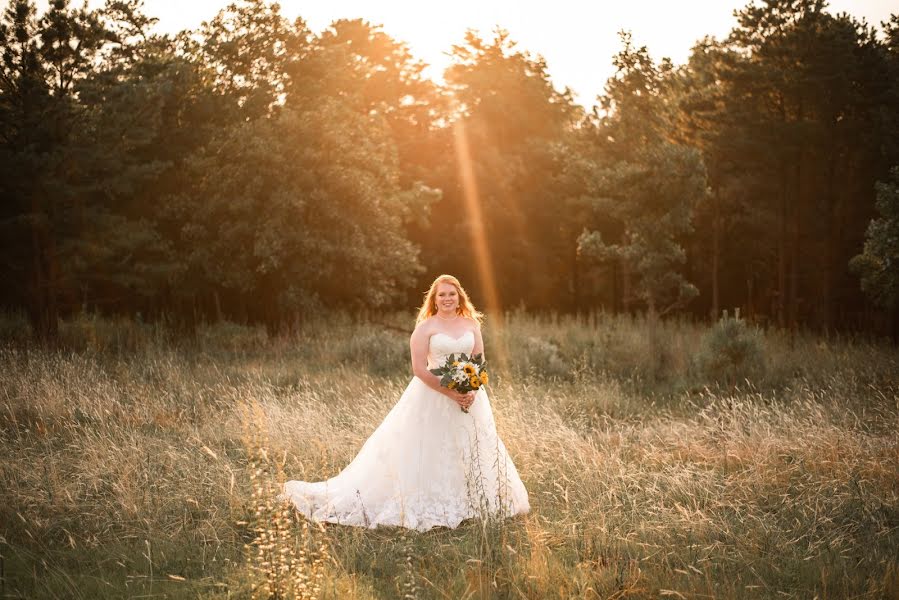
[455, 363]
[469, 369]
[451, 385]
[484, 377]
[475, 382]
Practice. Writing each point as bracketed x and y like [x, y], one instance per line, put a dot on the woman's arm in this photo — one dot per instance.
[418, 346]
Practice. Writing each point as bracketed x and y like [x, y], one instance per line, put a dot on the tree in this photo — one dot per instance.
[731, 216]
[299, 211]
[802, 96]
[646, 182]
[649, 185]
[878, 264]
[249, 48]
[368, 70]
[43, 61]
[355, 63]
[141, 119]
[507, 127]
[653, 200]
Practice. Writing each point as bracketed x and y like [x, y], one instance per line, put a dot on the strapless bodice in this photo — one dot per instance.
[442, 345]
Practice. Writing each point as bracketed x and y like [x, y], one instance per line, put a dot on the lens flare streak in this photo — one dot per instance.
[493, 305]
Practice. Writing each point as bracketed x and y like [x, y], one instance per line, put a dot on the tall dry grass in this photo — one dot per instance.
[131, 467]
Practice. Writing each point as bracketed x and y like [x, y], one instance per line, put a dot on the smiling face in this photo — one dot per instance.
[446, 299]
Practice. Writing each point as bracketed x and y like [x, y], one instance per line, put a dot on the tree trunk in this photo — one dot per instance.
[625, 286]
[655, 351]
[219, 316]
[832, 243]
[829, 270]
[795, 253]
[750, 300]
[782, 254]
[616, 288]
[795, 234]
[716, 249]
[894, 325]
[576, 282]
[43, 312]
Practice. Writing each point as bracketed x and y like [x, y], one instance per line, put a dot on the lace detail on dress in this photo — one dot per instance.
[442, 345]
[427, 464]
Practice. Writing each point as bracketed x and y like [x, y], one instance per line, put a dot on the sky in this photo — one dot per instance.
[578, 38]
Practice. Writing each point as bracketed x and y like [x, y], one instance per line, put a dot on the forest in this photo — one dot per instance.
[256, 171]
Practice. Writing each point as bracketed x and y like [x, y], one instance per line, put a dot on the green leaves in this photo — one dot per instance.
[650, 187]
[249, 50]
[255, 170]
[878, 265]
[311, 198]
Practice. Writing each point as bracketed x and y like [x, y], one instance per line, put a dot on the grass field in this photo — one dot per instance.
[132, 464]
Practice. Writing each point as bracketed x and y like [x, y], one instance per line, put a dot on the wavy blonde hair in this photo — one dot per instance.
[429, 306]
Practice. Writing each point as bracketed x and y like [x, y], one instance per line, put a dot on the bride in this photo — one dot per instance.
[428, 463]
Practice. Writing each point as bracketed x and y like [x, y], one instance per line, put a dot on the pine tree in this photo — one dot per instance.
[650, 185]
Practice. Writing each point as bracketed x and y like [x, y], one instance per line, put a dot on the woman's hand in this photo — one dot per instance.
[470, 396]
[463, 400]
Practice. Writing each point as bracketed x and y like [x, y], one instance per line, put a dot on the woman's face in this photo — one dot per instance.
[447, 298]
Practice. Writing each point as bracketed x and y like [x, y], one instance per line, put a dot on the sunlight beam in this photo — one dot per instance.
[493, 304]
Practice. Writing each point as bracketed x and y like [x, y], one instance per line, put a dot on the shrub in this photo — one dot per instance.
[731, 351]
[382, 353]
[89, 331]
[232, 337]
[14, 327]
[532, 356]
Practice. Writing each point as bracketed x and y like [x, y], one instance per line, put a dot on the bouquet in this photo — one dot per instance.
[463, 374]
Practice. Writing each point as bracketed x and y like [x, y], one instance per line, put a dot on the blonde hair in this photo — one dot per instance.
[465, 308]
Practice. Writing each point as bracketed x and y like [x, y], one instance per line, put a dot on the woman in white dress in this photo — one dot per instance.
[428, 463]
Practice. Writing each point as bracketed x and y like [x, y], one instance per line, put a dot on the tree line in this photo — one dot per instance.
[255, 170]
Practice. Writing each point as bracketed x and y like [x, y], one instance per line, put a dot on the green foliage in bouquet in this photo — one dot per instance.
[465, 374]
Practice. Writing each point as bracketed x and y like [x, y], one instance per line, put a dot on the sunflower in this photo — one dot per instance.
[451, 385]
[484, 377]
[469, 369]
[475, 382]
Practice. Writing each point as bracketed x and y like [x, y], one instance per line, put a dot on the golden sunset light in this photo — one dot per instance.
[493, 300]
[577, 38]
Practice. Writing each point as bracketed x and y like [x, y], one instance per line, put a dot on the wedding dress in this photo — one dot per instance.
[427, 464]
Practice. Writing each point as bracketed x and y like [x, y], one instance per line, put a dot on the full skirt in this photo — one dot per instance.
[427, 464]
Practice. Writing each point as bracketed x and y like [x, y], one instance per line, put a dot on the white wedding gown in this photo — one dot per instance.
[427, 464]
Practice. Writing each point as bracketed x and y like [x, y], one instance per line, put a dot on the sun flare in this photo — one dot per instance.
[578, 39]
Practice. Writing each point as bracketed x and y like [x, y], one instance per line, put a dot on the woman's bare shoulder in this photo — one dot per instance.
[473, 323]
[424, 328]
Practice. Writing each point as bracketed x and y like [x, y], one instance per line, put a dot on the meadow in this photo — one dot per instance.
[137, 464]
